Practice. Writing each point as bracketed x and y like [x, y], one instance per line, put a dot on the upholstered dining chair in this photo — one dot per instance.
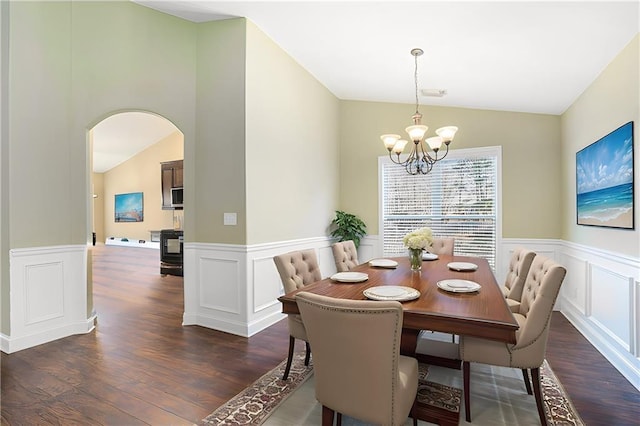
[297, 269]
[540, 291]
[442, 246]
[516, 276]
[345, 255]
[357, 364]
[438, 351]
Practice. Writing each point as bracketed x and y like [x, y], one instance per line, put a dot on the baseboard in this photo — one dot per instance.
[622, 361]
[9, 345]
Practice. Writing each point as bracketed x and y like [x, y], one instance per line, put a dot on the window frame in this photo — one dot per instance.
[493, 151]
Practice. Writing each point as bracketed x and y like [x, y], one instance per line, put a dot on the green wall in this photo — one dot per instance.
[612, 100]
[531, 164]
[292, 147]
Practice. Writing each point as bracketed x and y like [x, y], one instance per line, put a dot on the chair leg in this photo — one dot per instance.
[466, 373]
[327, 416]
[292, 344]
[308, 354]
[535, 374]
[527, 384]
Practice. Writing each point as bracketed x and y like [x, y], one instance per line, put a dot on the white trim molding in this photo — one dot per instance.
[48, 296]
[235, 288]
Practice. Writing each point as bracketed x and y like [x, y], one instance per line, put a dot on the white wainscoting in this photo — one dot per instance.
[600, 295]
[48, 296]
[236, 288]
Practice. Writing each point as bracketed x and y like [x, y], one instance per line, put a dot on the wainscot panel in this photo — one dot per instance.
[48, 296]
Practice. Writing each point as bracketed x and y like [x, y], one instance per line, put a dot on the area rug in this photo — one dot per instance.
[498, 397]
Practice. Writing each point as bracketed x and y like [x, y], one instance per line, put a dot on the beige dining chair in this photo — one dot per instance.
[297, 269]
[357, 365]
[519, 266]
[345, 255]
[436, 350]
[442, 246]
[540, 291]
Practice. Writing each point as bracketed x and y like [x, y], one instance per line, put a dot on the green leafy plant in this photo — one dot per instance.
[347, 226]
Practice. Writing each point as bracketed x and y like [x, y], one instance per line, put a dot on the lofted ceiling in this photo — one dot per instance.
[524, 56]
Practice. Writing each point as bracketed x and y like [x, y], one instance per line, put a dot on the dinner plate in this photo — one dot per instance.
[429, 256]
[383, 263]
[462, 266]
[350, 277]
[459, 286]
[391, 292]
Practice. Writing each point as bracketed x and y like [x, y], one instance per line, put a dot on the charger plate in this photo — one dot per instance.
[383, 263]
[459, 286]
[462, 266]
[391, 292]
[350, 277]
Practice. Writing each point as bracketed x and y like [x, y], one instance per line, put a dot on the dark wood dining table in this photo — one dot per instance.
[483, 313]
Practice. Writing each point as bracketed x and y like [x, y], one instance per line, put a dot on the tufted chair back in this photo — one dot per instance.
[297, 269]
[516, 275]
[345, 255]
[442, 246]
[533, 315]
[357, 364]
[538, 297]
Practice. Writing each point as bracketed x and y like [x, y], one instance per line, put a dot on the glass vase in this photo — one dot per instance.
[415, 259]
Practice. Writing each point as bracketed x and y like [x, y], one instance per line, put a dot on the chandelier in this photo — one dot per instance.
[419, 161]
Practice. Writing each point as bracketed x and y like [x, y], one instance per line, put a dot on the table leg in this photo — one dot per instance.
[408, 342]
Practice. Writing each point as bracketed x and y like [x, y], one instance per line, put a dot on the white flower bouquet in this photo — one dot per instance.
[420, 239]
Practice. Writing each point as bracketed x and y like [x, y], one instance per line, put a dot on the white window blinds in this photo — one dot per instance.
[458, 198]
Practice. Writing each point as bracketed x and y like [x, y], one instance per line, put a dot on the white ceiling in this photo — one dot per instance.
[522, 56]
[121, 136]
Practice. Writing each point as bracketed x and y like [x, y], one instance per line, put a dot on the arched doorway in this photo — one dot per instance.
[127, 206]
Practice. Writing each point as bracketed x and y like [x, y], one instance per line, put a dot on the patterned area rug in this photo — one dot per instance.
[498, 398]
[258, 401]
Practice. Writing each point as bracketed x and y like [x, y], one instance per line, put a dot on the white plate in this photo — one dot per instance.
[350, 277]
[459, 286]
[462, 266]
[391, 292]
[383, 263]
[429, 256]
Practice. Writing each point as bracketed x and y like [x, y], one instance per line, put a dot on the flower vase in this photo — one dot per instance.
[415, 259]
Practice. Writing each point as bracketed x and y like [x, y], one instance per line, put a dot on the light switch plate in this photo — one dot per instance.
[230, 219]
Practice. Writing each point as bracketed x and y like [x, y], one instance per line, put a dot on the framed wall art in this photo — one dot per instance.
[604, 181]
[129, 207]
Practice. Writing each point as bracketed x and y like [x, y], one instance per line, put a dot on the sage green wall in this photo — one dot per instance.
[292, 146]
[531, 164]
[610, 101]
[70, 65]
[220, 111]
[4, 167]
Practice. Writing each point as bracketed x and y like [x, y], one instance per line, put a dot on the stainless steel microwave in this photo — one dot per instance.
[176, 197]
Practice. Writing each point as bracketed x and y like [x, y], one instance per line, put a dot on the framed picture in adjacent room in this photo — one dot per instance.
[604, 181]
[129, 207]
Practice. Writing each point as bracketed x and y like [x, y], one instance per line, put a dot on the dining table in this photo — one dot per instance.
[483, 313]
[451, 294]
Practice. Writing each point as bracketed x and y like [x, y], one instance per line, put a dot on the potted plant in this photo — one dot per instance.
[347, 226]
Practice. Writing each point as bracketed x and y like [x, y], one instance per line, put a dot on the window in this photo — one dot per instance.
[459, 198]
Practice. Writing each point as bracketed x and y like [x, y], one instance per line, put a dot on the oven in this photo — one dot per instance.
[171, 252]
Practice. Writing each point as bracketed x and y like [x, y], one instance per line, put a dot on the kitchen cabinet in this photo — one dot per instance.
[172, 177]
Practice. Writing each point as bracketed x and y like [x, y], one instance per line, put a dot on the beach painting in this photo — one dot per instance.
[129, 207]
[604, 180]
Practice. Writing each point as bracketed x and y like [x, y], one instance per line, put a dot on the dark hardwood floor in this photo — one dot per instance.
[141, 366]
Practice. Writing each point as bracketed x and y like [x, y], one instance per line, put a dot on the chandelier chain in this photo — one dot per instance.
[415, 77]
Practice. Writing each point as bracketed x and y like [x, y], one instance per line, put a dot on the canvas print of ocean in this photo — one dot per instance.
[604, 179]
